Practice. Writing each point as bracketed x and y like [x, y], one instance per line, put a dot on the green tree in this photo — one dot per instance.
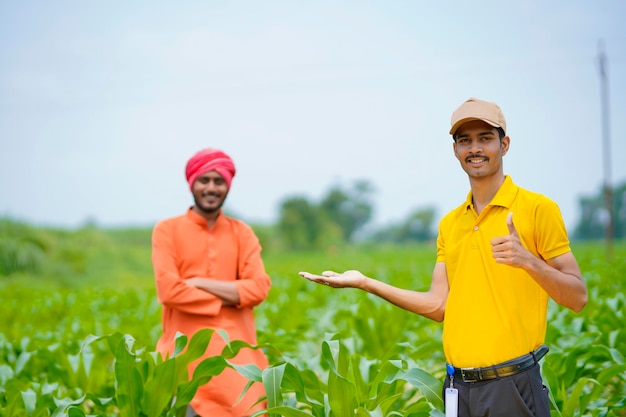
[349, 209]
[302, 226]
[22, 247]
[592, 222]
[593, 215]
[619, 207]
[418, 227]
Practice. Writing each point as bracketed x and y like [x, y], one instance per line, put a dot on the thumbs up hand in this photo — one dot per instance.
[509, 249]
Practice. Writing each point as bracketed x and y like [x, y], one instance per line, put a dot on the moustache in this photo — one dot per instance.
[476, 156]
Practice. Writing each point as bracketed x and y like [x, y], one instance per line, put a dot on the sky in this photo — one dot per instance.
[103, 102]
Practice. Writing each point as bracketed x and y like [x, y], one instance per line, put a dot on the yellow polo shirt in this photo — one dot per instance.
[496, 312]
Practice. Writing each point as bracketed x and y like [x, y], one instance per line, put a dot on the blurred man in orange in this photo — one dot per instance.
[209, 274]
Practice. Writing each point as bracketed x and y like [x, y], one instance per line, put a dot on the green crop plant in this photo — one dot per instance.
[78, 343]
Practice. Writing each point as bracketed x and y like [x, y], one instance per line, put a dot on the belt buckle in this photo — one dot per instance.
[465, 372]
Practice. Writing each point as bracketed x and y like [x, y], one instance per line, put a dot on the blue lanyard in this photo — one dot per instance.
[450, 370]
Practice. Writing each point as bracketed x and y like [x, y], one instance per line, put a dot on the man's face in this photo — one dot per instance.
[209, 192]
[479, 149]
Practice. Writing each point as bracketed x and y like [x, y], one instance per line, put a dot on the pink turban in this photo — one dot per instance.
[210, 160]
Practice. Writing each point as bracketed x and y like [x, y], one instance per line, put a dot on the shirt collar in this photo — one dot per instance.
[198, 219]
[504, 197]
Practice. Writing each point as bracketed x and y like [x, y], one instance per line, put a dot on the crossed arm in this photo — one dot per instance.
[226, 290]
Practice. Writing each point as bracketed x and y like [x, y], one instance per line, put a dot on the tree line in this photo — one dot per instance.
[343, 214]
[340, 217]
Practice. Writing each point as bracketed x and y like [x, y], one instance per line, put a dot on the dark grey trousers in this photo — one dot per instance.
[520, 395]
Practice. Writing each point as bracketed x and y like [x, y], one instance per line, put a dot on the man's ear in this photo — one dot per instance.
[505, 144]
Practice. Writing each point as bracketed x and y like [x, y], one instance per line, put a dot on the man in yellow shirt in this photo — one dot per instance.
[500, 256]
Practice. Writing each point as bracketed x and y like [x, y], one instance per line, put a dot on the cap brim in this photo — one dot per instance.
[458, 124]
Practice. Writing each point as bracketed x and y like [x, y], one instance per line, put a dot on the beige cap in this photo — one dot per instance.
[476, 109]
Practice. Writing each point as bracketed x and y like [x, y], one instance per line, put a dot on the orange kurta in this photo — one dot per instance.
[184, 247]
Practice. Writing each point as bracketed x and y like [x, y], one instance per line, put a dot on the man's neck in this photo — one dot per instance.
[484, 190]
[210, 217]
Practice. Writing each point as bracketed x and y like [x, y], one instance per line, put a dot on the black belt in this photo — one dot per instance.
[512, 367]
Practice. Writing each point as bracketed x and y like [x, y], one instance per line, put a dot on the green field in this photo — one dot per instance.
[79, 330]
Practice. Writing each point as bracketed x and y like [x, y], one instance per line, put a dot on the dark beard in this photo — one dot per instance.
[212, 210]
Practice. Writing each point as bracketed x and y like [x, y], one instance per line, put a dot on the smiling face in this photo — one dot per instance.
[479, 149]
[209, 192]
